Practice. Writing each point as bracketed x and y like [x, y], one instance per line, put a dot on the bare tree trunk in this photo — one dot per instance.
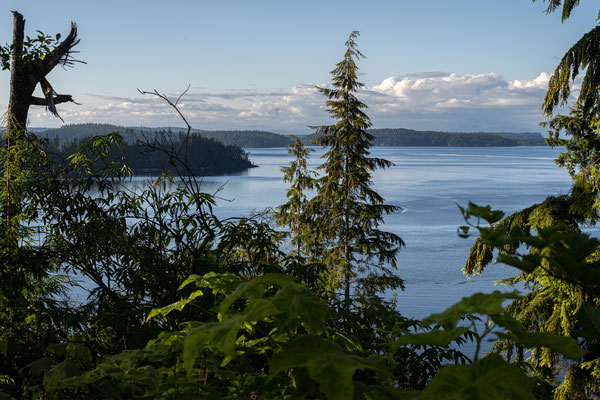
[21, 88]
[24, 77]
[347, 233]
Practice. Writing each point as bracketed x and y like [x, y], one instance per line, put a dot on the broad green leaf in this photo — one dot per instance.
[488, 378]
[255, 289]
[258, 310]
[376, 392]
[588, 322]
[56, 378]
[484, 212]
[479, 303]
[37, 367]
[506, 321]
[77, 350]
[178, 305]
[327, 363]
[145, 375]
[562, 344]
[221, 336]
[93, 376]
[294, 301]
[190, 279]
[527, 263]
[433, 338]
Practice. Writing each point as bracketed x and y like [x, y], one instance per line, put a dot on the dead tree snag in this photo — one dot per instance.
[29, 69]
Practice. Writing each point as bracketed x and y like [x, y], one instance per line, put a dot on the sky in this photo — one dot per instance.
[462, 65]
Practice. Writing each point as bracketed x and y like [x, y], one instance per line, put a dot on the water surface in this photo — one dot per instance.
[427, 182]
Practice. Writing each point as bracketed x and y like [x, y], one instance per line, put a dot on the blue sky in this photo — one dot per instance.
[448, 65]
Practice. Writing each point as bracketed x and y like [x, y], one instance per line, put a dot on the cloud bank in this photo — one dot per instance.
[427, 100]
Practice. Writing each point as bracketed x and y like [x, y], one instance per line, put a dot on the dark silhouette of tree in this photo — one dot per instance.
[583, 57]
[31, 60]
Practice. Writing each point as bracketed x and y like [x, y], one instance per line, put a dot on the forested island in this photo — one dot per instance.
[156, 151]
[250, 139]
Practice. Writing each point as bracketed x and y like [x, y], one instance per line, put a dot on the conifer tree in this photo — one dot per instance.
[554, 304]
[346, 209]
[292, 213]
[583, 57]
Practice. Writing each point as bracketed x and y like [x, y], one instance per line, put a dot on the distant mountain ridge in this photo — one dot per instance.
[256, 138]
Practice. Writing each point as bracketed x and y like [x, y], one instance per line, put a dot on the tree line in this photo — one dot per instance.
[250, 139]
[164, 151]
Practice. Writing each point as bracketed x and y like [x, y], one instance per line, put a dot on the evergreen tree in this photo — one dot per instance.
[555, 303]
[584, 57]
[301, 179]
[346, 209]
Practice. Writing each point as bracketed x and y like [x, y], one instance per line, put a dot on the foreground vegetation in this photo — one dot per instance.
[180, 304]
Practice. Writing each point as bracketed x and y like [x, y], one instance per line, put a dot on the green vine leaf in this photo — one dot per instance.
[488, 378]
[479, 303]
[327, 363]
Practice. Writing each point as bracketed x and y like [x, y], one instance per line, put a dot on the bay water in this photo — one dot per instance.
[428, 183]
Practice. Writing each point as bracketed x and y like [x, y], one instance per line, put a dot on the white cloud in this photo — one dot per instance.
[427, 100]
[541, 82]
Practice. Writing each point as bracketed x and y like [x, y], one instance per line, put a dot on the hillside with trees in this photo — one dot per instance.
[251, 139]
[248, 139]
[163, 152]
[410, 137]
[152, 152]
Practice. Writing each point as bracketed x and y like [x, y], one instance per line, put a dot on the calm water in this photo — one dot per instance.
[426, 182]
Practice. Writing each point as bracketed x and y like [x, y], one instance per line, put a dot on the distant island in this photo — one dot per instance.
[409, 137]
[153, 152]
[254, 138]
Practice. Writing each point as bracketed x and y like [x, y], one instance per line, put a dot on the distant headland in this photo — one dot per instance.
[256, 138]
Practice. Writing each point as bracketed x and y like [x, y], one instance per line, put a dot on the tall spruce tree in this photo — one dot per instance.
[346, 210]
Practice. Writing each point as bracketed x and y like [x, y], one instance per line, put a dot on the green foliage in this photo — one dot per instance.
[275, 310]
[584, 55]
[34, 51]
[263, 344]
[479, 303]
[198, 307]
[567, 7]
[488, 378]
[327, 363]
[339, 225]
[561, 270]
[162, 151]
[293, 213]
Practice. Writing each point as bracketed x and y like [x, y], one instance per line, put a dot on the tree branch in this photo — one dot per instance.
[60, 55]
[60, 98]
[51, 98]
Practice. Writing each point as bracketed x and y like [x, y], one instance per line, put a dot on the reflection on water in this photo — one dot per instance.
[427, 182]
